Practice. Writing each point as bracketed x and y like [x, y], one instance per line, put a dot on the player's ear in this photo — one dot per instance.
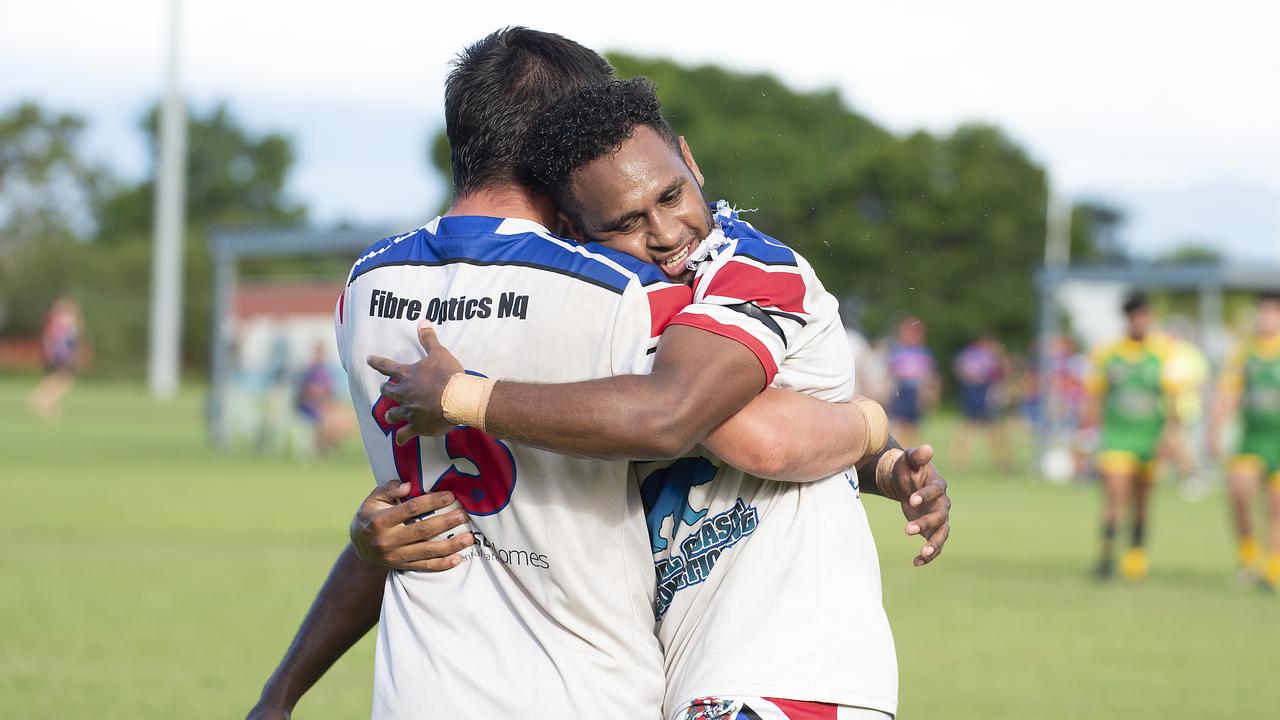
[569, 228]
[689, 161]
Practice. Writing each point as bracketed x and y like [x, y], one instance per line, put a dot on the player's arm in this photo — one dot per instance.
[1172, 385]
[792, 437]
[1226, 402]
[346, 607]
[1095, 386]
[698, 379]
[350, 600]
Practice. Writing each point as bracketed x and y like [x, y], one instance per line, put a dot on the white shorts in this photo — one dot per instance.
[741, 707]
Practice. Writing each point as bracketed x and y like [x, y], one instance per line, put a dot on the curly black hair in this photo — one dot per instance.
[585, 125]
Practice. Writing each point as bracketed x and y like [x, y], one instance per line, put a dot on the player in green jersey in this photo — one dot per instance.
[1131, 398]
[1251, 378]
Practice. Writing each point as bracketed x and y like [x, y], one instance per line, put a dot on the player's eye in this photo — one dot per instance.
[670, 199]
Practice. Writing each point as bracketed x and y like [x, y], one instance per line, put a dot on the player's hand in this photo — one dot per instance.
[917, 484]
[417, 389]
[383, 531]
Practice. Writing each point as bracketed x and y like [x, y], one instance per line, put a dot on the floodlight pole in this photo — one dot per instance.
[166, 256]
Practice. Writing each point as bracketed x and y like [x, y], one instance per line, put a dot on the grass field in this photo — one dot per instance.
[144, 577]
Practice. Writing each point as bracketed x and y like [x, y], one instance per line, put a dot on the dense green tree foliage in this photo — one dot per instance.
[948, 227]
[46, 187]
[235, 178]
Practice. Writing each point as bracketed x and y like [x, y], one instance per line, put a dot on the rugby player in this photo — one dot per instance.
[1252, 378]
[557, 619]
[768, 595]
[1131, 398]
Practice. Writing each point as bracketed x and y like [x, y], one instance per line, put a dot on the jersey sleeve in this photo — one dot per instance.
[761, 303]
[645, 311]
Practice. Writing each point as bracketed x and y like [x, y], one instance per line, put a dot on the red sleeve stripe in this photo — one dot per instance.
[752, 343]
[341, 298]
[665, 303]
[747, 283]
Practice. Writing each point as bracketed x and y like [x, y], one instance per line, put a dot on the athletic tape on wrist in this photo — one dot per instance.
[884, 467]
[877, 425]
[466, 399]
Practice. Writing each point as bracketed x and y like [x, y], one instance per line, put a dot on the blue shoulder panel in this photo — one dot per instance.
[475, 241]
[751, 242]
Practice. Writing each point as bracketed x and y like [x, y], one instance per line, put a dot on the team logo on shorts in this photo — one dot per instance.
[710, 708]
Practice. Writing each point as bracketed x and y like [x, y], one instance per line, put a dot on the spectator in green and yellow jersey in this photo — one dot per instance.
[1251, 378]
[1131, 399]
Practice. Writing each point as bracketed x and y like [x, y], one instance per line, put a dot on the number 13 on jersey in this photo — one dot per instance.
[484, 492]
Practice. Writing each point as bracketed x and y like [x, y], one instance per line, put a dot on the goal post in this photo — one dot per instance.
[232, 300]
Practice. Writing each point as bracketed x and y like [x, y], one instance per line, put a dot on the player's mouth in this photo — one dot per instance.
[673, 264]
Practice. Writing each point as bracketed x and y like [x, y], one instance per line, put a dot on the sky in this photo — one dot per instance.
[1168, 110]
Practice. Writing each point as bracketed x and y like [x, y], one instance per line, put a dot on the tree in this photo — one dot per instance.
[1095, 232]
[234, 179]
[1191, 252]
[947, 227]
[46, 187]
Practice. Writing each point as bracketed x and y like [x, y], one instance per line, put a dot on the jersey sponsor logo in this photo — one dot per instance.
[386, 304]
[485, 549]
[700, 552]
[665, 494]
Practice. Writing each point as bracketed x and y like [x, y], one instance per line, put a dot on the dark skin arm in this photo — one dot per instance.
[350, 601]
[347, 607]
[671, 410]
[698, 380]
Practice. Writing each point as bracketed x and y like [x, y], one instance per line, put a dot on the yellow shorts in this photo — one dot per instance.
[1123, 462]
[1255, 466]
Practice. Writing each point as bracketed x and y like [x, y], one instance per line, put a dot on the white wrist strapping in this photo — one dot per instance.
[877, 425]
[884, 467]
[466, 399]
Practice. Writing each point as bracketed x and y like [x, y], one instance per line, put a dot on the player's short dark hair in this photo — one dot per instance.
[495, 90]
[1135, 301]
[1269, 296]
[585, 125]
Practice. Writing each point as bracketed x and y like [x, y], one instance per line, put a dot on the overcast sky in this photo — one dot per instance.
[1169, 110]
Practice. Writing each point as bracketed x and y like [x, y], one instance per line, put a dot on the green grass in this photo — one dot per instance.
[144, 576]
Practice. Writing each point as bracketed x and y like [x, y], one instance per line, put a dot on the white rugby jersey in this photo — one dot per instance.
[550, 615]
[766, 588]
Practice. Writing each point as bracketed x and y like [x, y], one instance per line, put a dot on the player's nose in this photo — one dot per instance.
[666, 235]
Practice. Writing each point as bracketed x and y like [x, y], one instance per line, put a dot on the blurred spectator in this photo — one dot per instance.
[915, 383]
[1186, 369]
[1250, 385]
[979, 368]
[1130, 397]
[331, 420]
[60, 343]
[871, 368]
